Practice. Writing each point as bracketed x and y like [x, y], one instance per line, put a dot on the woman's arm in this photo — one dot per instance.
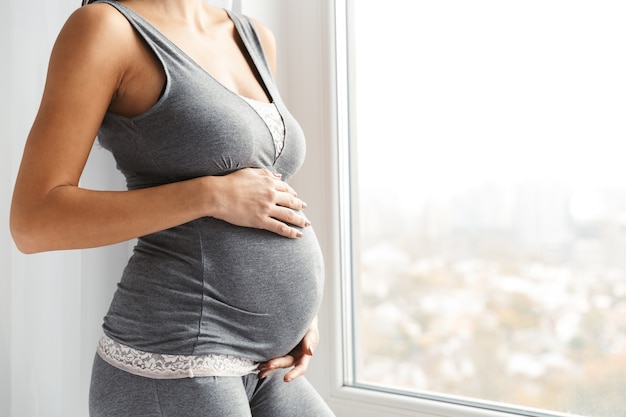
[50, 211]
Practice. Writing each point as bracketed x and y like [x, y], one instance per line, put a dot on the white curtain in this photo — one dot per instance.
[51, 304]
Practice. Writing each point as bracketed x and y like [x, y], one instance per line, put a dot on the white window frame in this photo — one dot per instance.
[345, 398]
[326, 119]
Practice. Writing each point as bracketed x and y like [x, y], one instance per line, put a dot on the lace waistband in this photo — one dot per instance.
[160, 366]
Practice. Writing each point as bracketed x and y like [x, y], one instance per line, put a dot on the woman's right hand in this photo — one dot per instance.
[258, 198]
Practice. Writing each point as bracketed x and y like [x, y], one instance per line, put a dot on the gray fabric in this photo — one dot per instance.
[208, 286]
[115, 393]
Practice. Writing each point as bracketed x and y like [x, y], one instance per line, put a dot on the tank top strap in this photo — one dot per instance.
[248, 33]
[164, 49]
[170, 54]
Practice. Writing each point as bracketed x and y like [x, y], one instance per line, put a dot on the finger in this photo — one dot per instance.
[286, 188]
[298, 370]
[288, 200]
[282, 362]
[311, 339]
[268, 368]
[280, 185]
[310, 342]
[289, 216]
[281, 228]
[266, 373]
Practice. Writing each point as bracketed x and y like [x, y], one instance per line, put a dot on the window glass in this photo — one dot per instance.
[489, 201]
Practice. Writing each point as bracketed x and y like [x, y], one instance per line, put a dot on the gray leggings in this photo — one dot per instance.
[116, 393]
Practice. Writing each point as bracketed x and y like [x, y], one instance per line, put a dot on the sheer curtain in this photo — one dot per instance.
[51, 304]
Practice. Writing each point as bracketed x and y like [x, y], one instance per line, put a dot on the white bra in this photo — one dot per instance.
[274, 121]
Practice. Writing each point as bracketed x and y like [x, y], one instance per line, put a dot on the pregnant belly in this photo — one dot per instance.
[261, 289]
[211, 287]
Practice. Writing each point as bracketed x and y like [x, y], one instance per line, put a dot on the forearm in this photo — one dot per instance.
[69, 217]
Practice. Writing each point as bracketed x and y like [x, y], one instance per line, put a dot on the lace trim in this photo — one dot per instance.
[272, 118]
[160, 366]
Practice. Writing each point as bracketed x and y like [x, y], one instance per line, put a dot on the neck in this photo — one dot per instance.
[185, 11]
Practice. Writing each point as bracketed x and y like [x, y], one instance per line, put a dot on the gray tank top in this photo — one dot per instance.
[208, 286]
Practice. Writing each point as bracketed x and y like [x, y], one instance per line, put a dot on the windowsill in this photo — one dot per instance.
[348, 401]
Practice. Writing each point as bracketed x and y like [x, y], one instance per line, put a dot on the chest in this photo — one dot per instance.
[198, 128]
[197, 124]
[144, 79]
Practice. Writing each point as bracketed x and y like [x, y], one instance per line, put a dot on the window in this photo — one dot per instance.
[486, 218]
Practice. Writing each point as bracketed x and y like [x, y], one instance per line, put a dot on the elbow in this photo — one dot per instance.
[25, 249]
[33, 220]
[24, 234]
[38, 225]
[23, 239]
[23, 246]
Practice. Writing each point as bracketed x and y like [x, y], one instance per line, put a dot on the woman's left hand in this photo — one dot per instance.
[298, 358]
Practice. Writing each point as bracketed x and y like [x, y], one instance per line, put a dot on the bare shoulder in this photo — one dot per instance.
[84, 72]
[268, 41]
[94, 32]
[97, 19]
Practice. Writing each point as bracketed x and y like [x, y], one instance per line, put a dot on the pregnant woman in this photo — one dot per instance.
[215, 314]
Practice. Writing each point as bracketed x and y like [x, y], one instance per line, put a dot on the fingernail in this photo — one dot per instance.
[299, 234]
[304, 205]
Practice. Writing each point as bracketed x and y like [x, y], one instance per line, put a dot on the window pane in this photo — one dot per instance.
[489, 201]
